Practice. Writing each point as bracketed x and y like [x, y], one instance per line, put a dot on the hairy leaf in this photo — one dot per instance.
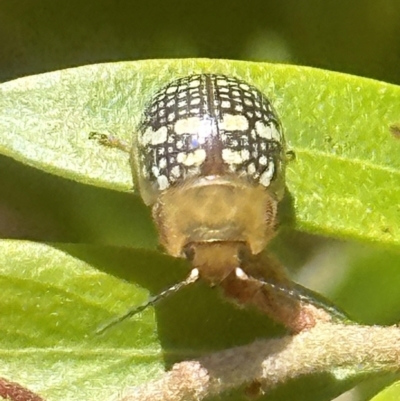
[345, 178]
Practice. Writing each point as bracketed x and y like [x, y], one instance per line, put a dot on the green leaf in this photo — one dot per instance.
[54, 296]
[51, 303]
[391, 393]
[344, 180]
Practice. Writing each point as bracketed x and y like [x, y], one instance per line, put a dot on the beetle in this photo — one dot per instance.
[209, 158]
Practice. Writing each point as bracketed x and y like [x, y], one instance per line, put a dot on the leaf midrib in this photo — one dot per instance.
[351, 161]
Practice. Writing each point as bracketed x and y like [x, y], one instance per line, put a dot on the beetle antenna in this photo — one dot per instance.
[193, 277]
[306, 295]
[299, 293]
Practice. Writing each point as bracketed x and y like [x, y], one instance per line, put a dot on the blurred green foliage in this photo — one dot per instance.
[54, 318]
[357, 36]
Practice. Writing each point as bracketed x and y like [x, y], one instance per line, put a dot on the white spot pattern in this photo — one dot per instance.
[234, 123]
[163, 182]
[195, 158]
[232, 156]
[266, 176]
[200, 114]
[154, 137]
[264, 131]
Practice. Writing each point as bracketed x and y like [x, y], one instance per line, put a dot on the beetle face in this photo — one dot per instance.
[207, 125]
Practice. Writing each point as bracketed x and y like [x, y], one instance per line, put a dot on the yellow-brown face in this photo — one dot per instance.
[208, 125]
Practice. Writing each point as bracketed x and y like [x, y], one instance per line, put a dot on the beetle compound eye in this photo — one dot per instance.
[209, 157]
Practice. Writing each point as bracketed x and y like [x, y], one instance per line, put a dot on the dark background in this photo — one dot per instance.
[360, 37]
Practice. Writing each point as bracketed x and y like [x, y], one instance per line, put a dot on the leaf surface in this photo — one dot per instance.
[344, 181]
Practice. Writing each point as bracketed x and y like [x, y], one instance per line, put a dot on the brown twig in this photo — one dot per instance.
[15, 392]
[323, 348]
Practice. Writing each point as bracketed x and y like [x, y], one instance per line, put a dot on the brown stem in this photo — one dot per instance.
[15, 392]
[325, 347]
